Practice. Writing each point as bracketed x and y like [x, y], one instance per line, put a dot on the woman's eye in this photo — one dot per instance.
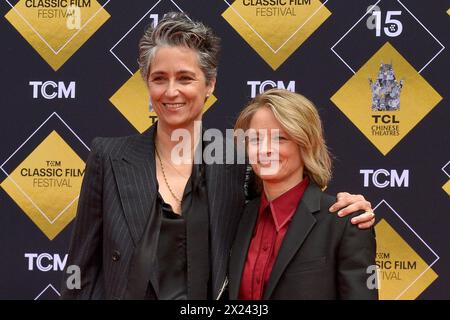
[186, 79]
[157, 79]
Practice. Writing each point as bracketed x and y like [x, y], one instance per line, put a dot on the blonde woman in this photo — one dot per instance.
[287, 245]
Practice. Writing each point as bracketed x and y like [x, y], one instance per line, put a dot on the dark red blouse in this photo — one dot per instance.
[273, 221]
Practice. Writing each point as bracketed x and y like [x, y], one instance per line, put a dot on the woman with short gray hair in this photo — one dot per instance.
[176, 29]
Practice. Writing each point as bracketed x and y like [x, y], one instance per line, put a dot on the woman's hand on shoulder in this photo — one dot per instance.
[349, 203]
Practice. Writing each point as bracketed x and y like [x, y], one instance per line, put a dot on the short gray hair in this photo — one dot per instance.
[176, 29]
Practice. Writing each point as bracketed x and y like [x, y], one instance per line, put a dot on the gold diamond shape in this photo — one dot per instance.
[446, 187]
[132, 100]
[277, 36]
[417, 98]
[403, 273]
[47, 183]
[51, 37]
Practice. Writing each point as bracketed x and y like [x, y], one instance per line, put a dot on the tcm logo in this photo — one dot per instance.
[51, 90]
[383, 178]
[257, 87]
[46, 261]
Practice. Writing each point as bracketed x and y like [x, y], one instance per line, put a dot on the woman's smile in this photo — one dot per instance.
[174, 106]
[177, 86]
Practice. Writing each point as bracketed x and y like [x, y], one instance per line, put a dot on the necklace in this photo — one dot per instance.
[165, 179]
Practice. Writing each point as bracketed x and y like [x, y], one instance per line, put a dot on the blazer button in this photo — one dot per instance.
[116, 255]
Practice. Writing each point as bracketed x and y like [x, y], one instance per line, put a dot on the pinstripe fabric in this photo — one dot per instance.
[225, 185]
[118, 190]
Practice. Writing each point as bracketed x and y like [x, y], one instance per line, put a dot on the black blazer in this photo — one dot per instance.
[322, 256]
[118, 191]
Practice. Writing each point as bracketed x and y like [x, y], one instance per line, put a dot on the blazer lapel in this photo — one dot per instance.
[214, 174]
[135, 174]
[241, 244]
[224, 210]
[299, 228]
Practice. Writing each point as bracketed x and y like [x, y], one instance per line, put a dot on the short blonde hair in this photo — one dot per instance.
[299, 118]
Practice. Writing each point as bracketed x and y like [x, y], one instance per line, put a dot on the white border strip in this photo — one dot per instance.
[428, 32]
[415, 233]
[448, 175]
[134, 26]
[368, 11]
[23, 191]
[50, 285]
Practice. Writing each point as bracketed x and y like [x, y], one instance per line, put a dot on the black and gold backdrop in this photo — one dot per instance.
[377, 70]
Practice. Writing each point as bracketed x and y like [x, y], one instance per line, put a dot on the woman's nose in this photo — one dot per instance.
[172, 89]
[264, 146]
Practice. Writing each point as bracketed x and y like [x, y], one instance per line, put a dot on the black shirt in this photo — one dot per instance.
[172, 255]
[173, 241]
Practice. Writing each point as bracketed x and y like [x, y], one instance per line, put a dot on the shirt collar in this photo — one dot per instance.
[283, 207]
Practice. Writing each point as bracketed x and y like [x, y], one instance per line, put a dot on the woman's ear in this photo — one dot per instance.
[211, 87]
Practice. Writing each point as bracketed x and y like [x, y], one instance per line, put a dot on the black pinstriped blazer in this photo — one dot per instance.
[117, 193]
